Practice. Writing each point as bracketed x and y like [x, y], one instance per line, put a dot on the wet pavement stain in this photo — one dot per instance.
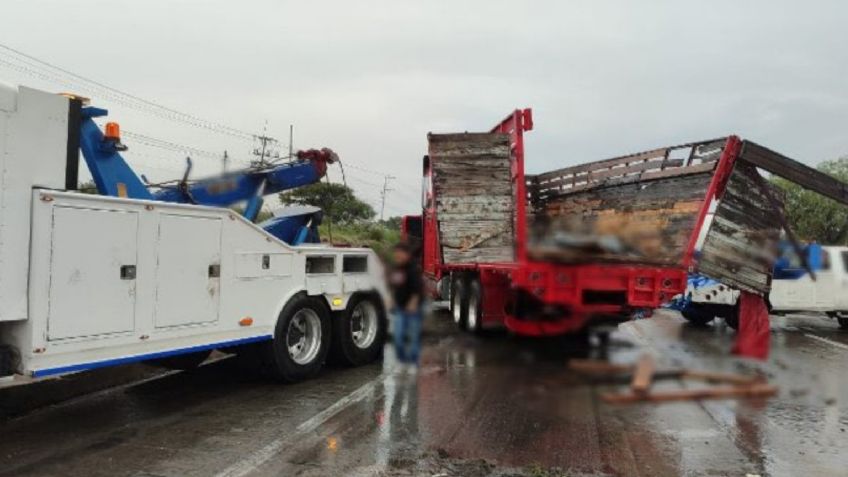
[493, 405]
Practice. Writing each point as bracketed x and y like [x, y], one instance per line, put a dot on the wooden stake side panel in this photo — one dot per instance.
[472, 183]
[653, 221]
[684, 159]
[741, 244]
[646, 204]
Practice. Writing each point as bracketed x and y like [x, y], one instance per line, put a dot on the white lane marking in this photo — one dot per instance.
[266, 453]
[825, 340]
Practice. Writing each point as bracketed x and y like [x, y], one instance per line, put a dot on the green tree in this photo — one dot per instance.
[813, 216]
[392, 223]
[338, 202]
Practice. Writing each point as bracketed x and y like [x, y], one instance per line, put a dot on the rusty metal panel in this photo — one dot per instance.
[474, 196]
[740, 245]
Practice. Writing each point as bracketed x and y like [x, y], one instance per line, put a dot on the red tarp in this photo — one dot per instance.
[753, 336]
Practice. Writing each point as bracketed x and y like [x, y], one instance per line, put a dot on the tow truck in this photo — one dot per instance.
[164, 274]
[821, 289]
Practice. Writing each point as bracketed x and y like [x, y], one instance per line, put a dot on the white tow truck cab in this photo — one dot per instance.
[88, 281]
[793, 289]
[828, 293]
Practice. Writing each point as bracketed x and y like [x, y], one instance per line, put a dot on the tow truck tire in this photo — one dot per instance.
[459, 301]
[698, 316]
[359, 331]
[474, 309]
[731, 318]
[301, 340]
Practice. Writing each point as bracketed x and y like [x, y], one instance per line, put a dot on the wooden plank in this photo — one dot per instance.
[794, 171]
[713, 146]
[741, 241]
[643, 375]
[617, 181]
[472, 182]
[714, 392]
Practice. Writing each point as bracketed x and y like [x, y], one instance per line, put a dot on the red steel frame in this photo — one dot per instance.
[563, 285]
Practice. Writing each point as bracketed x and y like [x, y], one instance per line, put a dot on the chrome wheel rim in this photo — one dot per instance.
[303, 337]
[363, 324]
[457, 307]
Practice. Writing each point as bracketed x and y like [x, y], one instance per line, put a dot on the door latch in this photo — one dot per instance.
[214, 270]
[127, 272]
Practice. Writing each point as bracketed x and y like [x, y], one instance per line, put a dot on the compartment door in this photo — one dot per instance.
[188, 283]
[92, 272]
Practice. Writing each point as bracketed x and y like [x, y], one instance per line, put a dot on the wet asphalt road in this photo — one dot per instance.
[492, 405]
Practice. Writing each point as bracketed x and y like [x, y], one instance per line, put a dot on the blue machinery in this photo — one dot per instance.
[114, 177]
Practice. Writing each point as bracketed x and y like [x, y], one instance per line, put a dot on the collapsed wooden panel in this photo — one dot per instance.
[740, 246]
[472, 186]
[648, 222]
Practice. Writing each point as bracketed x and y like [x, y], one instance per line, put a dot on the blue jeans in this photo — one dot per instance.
[407, 335]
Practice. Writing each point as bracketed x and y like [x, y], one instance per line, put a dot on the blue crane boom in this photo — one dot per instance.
[113, 176]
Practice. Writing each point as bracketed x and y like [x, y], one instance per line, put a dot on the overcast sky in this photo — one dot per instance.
[371, 78]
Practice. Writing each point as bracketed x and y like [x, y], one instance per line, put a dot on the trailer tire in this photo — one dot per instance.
[359, 331]
[474, 313]
[459, 301]
[301, 340]
[181, 362]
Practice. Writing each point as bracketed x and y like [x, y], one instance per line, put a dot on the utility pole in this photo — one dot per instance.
[265, 150]
[291, 138]
[224, 160]
[386, 189]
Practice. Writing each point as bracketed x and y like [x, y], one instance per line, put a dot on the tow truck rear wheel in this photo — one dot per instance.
[359, 331]
[841, 318]
[301, 340]
[459, 301]
[474, 315]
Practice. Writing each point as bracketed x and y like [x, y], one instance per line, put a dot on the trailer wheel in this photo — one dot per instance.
[474, 314]
[359, 331]
[301, 340]
[459, 301]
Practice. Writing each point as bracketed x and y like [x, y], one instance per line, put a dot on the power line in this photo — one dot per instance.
[31, 65]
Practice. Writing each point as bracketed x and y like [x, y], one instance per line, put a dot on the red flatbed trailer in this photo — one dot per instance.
[664, 194]
[532, 297]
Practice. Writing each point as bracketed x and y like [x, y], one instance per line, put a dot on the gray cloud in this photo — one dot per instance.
[371, 78]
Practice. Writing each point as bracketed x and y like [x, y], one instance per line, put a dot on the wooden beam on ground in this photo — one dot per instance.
[716, 392]
[794, 171]
[643, 375]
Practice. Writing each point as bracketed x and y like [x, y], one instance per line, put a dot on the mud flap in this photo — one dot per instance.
[753, 336]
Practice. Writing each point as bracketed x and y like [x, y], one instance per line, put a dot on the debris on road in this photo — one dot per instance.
[643, 374]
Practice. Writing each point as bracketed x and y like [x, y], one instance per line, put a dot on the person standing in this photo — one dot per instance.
[406, 284]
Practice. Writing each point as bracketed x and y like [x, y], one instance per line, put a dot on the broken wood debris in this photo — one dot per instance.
[643, 374]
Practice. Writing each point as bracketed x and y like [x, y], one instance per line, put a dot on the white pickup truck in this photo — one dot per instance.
[828, 293]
